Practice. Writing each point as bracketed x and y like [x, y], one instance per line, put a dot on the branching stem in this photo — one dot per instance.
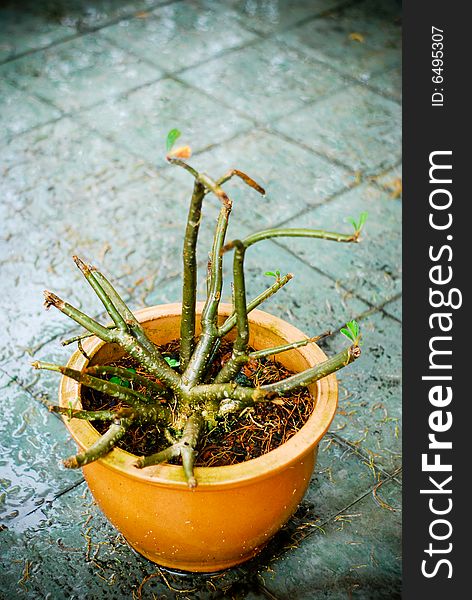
[185, 448]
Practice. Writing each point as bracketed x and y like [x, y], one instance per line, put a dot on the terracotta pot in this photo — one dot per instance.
[235, 509]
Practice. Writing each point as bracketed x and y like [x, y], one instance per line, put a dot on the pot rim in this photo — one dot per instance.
[299, 445]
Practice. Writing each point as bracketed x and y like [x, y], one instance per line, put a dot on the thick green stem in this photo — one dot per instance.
[134, 399]
[101, 447]
[236, 397]
[122, 373]
[189, 292]
[230, 322]
[239, 355]
[185, 448]
[278, 349]
[159, 457]
[151, 362]
[87, 272]
[189, 441]
[214, 393]
[89, 415]
[300, 380]
[134, 325]
[147, 355]
[79, 317]
[306, 233]
[197, 365]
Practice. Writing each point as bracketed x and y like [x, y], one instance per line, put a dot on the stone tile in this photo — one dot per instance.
[35, 25]
[140, 121]
[392, 182]
[361, 39]
[310, 301]
[266, 17]
[59, 165]
[61, 562]
[26, 27]
[85, 16]
[394, 308]
[79, 73]
[59, 528]
[293, 177]
[339, 479]
[140, 226]
[371, 269]
[369, 413]
[20, 112]
[25, 274]
[389, 83]
[72, 551]
[264, 81]
[179, 35]
[356, 554]
[355, 126]
[32, 445]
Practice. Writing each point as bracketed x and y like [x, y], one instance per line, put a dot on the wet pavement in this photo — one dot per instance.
[305, 97]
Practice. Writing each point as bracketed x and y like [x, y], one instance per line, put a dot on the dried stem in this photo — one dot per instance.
[247, 180]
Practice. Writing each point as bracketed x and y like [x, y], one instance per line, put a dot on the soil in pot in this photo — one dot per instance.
[237, 438]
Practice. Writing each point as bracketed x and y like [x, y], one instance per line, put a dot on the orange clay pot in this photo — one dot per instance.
[235, 509]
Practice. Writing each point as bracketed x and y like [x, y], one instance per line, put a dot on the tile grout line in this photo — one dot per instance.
[79, 34]
[372, 306]
[360, 453]
[174, 75]
[162, 4]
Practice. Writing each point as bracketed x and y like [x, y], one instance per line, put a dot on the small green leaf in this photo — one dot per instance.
[172, 362]
[277, 273]
[353, 328]
[347, 333]
[270, 274]
[363, 218]
[353, 222]
[172, 137]
[119, 381]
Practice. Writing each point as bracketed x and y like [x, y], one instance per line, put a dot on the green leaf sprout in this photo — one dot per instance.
[358, 225]
[172, 137]
[352, 332]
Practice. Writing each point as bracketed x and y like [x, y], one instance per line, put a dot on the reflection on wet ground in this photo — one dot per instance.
[305, 96]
